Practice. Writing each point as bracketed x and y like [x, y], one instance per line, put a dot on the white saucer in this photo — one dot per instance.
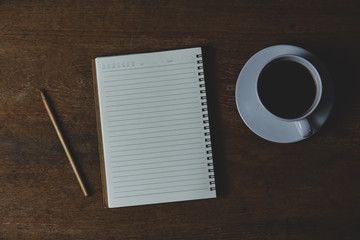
[253, 113]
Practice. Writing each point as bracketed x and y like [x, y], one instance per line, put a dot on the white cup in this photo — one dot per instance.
[302, 123]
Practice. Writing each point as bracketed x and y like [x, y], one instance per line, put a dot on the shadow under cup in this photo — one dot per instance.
[287, 87]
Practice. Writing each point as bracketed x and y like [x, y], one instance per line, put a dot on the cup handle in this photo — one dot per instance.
[304, 128]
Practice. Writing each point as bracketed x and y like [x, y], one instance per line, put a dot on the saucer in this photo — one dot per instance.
[253, 113]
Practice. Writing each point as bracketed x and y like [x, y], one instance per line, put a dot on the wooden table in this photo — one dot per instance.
[305, 190]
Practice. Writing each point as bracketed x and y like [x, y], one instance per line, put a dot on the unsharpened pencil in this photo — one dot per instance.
[63, 143]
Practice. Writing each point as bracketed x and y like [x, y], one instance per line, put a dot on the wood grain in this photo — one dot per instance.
[306, 190]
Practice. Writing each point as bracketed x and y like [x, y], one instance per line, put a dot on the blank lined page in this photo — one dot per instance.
[154, 126]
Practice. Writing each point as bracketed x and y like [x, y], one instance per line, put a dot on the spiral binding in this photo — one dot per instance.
[205, 115]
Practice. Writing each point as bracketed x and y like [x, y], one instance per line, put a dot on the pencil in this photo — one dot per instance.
[63, 143]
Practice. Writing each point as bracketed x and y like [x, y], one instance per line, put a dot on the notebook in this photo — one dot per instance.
[153, 128]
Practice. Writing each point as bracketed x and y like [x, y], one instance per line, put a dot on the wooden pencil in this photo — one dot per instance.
[63, 143]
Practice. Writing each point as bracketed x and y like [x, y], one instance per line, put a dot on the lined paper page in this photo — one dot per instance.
[154, 127]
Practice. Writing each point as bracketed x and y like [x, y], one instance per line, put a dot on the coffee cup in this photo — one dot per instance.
[284, 93]
[289, 88]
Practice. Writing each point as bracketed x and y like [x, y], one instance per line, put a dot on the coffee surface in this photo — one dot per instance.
[286, 89]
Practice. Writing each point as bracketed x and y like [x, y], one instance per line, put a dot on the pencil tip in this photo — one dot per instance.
[42, 93]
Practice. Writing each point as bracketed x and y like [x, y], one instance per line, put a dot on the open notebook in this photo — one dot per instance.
[153, 128]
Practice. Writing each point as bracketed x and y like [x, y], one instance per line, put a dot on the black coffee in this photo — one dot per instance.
[286, 89]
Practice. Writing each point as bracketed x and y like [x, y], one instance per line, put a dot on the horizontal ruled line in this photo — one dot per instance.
[155, 178]
[132, 114]
[142, 123]
[142, 169]
[144, 102]
[138, 128]
[157, 71]
[147, 184]
[155, 152]
[123, 135]
[158, 86]
[157, 116]
[147, 92]
[159, 76]
[158, 96]
[152, 163]
[142, 138]
[158, 193]
[149, 189]
[152, 173]
[163, 65]
[152, 142]
[166, 156]
[157, 106]
[170, 145]
[142, 83]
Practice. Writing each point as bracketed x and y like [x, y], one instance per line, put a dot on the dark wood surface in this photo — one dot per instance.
[305, 190]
